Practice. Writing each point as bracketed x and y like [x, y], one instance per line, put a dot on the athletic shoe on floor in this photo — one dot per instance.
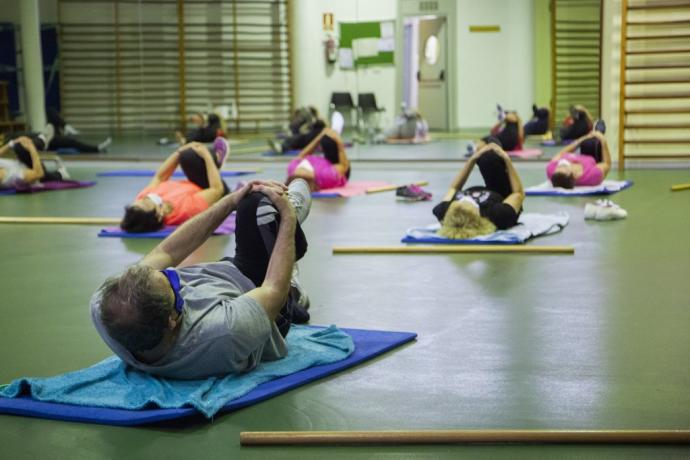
[103, 146]
[62, 170]
[221, 147]
[275, 145]
[604, 210]
[470, 149]
[501, 113]
[412, 193]
[600, 126]
[299, 195]
[47, 134]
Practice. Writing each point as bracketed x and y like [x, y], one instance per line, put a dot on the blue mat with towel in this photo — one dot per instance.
[151, 173]
[112, 394]
[608, 187]
[530, 225]
[225, 228]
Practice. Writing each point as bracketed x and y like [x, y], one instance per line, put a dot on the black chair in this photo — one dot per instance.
[368, 113]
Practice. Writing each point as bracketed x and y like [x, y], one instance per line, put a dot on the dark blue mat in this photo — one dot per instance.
[628, 184]
[151, 173]
[368, 345]
[289, 153]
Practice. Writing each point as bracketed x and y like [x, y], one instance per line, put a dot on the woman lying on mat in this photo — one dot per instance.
[322, 172]
[410, 128]
[63, 135]
[171, 202]
[589, 167]
[481, 210]
[508, 131]
[29, 168]
[205, 129]
[580, 123]
[539, 123]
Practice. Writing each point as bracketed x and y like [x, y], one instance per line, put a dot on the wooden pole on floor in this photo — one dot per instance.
[61, 220]
[679, 187]
[301, 438]
[455, 249]
[389, 188]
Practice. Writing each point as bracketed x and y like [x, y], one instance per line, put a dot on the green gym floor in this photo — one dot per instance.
[594, 340]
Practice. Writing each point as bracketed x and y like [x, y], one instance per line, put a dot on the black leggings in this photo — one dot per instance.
[299, 141]
[536, 127]
[579, 128]
[256, 230]
[194, 167]
[495, 174]
[24, 157]
[67, 142]
[508, 137]
[592, 147]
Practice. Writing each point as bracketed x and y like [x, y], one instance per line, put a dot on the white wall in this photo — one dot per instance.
[9, 11]
[313, 79]
[494, 67]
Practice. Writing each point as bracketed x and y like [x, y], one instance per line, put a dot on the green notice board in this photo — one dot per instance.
[369, 42]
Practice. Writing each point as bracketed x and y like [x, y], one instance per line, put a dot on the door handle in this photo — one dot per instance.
[442, 75]
[419, 76]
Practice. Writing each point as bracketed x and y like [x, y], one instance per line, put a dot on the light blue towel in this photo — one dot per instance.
[530, 225]
[111, 383]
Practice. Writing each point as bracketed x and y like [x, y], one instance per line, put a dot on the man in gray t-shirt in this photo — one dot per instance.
[213, 318]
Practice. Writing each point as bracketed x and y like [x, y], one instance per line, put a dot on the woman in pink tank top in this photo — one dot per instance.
[589, 167]
[330, 170]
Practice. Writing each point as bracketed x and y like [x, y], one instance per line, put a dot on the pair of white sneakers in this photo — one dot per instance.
[604, 210]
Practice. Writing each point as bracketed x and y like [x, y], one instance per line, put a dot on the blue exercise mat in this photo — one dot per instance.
[151, 173]
[368, 344]
[608, 187]
[289, 153]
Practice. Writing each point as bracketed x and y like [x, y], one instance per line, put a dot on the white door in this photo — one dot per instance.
[432, 74]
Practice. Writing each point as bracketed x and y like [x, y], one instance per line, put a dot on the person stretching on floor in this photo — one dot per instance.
[169, 202]
[217, 318]
[322, 172]
[29, 169]
[481, 210]
[590, 167]
[508, 131]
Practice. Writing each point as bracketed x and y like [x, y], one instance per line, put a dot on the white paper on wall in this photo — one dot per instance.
[386, 44]
[365, 47]
[387, 29]
[346, 58]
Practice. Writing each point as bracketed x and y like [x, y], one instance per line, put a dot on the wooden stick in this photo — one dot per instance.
[389, 188]
[258, 438]
[61, 220]
[455, 249]
[679, 187]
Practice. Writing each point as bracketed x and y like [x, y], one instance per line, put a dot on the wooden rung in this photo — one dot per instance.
[660, 22]
[676, 110]
[652, 52]
[659, 141]
[659, 6]
[659, 126]
[61, 220]
[389, 188]
[657, 67]
[657, 37]
[660, 96]
[265, 438]
[679, 187]
[455, 249]
[657, 82]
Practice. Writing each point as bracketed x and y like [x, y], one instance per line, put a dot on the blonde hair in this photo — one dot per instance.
[462, 221]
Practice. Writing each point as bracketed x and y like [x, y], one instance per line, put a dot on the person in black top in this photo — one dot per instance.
[508, 131]
[539, 123]
[481, 210]
[206, 129]
[578, 124]
[62, 136]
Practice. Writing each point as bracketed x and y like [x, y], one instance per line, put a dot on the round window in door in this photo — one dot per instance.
[431, 51]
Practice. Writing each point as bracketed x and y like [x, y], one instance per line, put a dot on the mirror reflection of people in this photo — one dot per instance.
[409, 126]
[305, 124]
[204, 129]
[330, 170]
[27, 167]
[508, 131]
[589, 167]
[577, 124]
[481, 210]
[539, 123]
[216, 318]
[63, 135]
[171, 202]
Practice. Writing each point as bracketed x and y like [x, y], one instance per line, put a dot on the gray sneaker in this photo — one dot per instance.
[299, 195]
[298, 294]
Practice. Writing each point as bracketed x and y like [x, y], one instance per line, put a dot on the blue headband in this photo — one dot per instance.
[174, 280]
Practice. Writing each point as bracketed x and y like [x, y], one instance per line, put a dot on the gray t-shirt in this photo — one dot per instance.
[223, 331]
[13, 173]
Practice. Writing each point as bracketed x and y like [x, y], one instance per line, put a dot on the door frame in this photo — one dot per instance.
[447, 8]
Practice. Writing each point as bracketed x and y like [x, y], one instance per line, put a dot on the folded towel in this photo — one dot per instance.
[111, 383]
[151, 173]
[608, 187]
[530, 225]
[352, 188]
[525, 153]
[49, 186]
[226, 228]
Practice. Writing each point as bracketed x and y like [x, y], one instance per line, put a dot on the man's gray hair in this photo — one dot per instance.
[133, 310]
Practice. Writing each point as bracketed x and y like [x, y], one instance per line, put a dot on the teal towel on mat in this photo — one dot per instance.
[111, 383]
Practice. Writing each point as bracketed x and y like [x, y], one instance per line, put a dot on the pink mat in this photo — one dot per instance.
[353, 188]
[525, 153]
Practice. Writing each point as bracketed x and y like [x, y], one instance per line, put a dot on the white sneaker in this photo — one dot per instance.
[300, 296]
[604, 210]
[103, 146]
[299, 195]
[62, 170]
